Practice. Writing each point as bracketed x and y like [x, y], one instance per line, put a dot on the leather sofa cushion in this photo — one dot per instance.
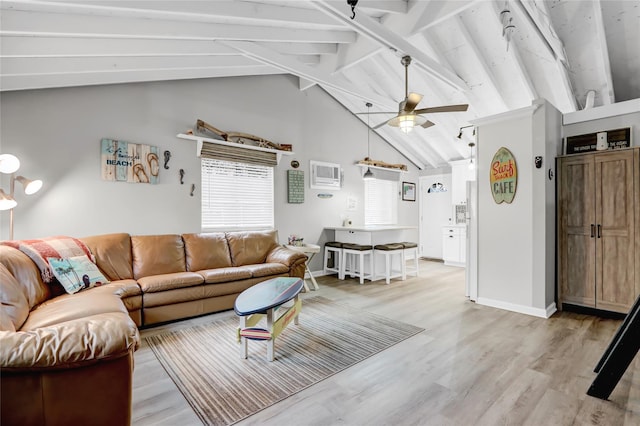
[225, 275]
[15, 308]
[26, 273]
[70, 307]
[266, 269]
[206, 251]
[170, 298]
[113, 254]
[68, 344]
[157, 254]
[164, 282]
[251, 247]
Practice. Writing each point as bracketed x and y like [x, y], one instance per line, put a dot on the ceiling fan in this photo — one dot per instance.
[408, 116]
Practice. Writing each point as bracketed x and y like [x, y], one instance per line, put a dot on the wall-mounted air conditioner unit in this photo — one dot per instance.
[324, 175]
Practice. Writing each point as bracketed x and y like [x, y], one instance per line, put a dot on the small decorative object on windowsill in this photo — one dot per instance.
[295, 240]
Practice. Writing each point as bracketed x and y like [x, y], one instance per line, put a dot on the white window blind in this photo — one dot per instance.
[380, 202]
[236, 196]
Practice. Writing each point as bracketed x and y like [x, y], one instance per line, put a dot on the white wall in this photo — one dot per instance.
[56, 134]
[516, 242]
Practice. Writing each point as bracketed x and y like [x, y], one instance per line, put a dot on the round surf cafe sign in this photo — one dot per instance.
[503, 176]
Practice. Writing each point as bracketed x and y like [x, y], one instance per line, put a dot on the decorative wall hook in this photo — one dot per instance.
[181, 176]
[352, 3]
[193, 188]
[167, 157]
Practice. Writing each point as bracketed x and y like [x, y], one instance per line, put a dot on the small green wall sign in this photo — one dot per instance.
[503, 176]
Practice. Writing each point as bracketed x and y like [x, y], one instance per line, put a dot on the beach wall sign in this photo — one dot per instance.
[129, 162]
[503, 176]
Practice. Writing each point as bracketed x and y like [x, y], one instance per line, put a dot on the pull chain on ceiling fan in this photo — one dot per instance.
[408, 116]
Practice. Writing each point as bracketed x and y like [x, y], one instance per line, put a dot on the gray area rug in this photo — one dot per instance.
[204, 361]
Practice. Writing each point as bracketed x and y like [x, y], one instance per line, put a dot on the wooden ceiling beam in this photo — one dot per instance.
[219, 11]
[296, 68]
[379, 33]
[23, 23]
[30, 81]
[608, 94]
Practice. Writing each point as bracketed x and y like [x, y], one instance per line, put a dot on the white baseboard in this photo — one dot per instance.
[528, 310]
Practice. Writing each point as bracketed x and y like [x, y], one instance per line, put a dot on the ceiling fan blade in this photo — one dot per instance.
[412, 102]
[428, 124]
[444, 108]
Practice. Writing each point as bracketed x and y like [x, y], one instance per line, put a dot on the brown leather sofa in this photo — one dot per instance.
[68, 358]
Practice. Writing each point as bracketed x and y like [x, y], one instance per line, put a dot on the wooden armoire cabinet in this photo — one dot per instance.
[599, 229]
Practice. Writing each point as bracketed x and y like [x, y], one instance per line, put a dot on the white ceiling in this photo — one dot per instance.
[559, 50]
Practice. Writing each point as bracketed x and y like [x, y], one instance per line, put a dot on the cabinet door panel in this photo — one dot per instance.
[615, 275]
[576, 227]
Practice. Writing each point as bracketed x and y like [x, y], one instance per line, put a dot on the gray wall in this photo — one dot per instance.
[56, 134]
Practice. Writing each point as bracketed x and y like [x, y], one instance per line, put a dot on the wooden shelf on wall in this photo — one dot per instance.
[200, 139]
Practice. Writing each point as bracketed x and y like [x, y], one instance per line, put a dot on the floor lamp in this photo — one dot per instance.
[9, 164]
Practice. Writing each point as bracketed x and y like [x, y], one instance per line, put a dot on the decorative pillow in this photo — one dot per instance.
[76, 273]
[40, 250]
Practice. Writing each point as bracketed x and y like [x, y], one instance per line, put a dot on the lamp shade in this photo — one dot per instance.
[368, 175]
[9, 163]
[406, 122]
[30, 186]
[6, 202]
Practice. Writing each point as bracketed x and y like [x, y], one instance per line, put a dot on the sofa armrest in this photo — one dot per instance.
[69, 344]
[287, 257]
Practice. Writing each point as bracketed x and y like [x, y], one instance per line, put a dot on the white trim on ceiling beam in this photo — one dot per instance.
[57, 65]
[608, 94]
[562, 64]
[54, 24]
[40, 81]
[29, 46]
[298, 69]
[516, 59]
[219, 12]
[385, 6]
[385, 37]
[605, 111]
[435, 12]
[479, 59]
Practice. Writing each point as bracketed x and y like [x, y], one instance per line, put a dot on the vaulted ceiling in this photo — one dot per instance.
[495, 56]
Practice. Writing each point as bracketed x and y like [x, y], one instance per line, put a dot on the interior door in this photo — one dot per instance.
[436, 212]
[577, 231]
[615, 275]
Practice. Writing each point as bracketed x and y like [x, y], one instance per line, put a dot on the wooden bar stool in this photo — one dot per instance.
[411, 252]
[333, 258]
[353, 261]
[390, 250]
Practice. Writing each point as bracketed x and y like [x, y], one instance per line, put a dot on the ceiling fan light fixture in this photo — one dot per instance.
[406, 122]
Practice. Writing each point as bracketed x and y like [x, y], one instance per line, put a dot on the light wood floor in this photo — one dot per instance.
[472, 365]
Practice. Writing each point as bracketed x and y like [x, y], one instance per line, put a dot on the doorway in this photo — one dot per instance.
[435, 212]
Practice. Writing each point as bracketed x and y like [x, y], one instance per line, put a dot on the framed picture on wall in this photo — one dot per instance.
[408, 191]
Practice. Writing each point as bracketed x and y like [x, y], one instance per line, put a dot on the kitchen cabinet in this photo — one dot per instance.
[598, 229]
[454, 245]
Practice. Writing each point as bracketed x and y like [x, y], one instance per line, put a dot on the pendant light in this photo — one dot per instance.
[472, 166]
[368, 175]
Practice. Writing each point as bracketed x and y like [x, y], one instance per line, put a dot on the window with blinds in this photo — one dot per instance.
[236, 196]
[380, 202]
